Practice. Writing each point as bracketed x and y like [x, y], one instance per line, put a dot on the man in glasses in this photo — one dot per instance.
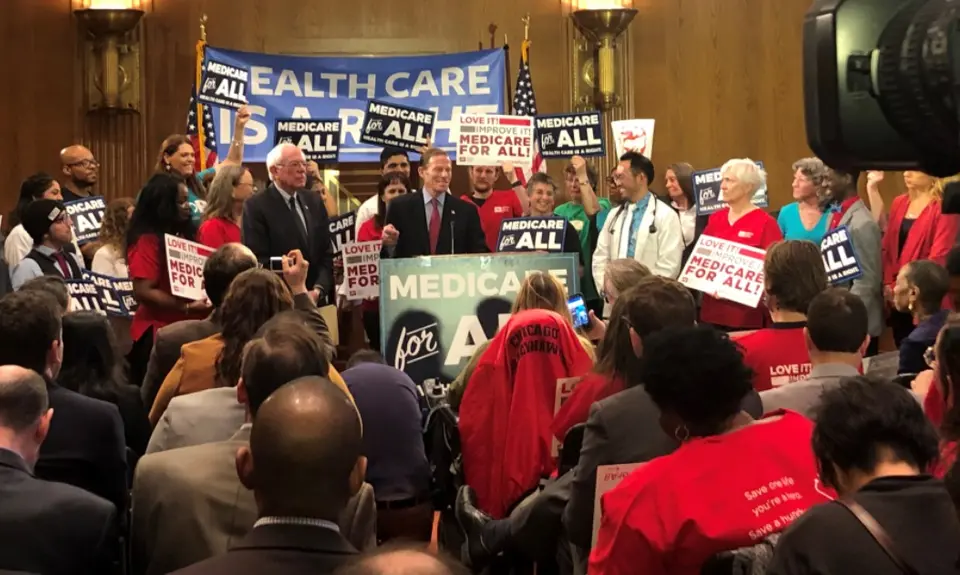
[49, 226]
[81, 171]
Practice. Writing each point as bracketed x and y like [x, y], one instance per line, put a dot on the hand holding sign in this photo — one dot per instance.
[198, 307]
[579, 166]
[390, 235]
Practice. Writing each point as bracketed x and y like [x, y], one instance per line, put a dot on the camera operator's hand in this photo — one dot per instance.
[295, 268]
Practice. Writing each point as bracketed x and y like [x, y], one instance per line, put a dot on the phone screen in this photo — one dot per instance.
[578, 309]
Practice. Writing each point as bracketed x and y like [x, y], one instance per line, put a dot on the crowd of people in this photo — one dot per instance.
[698, 434]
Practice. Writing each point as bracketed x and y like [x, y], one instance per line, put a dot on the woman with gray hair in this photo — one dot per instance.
[231, 187]
[805, 219]
[743, 223]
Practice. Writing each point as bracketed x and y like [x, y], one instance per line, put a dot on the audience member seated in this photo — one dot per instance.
[658, 305]
[49, 226]
[46, 527]
[405, 560]
[793, 275]
[920, 289]
[941, 405]
[84, 446]
[92, 367]
[216, 414]
[110, 259]
[223, 265]
[18, 243]
[620, 275]
[836, 339]
[253, 298]
[673, 513]
[397, 466]
[53, 286]
[873, 445]
[231, 187]
[508, 406]
[303, 464]
[188, 503]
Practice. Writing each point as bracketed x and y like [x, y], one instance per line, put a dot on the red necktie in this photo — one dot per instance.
[62, 261]
[434, 225]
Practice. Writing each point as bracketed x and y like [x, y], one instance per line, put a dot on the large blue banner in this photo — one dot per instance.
[323, 87]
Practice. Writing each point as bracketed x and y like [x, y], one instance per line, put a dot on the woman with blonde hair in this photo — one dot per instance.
[540, 290]
[231, 187]
[110, 258]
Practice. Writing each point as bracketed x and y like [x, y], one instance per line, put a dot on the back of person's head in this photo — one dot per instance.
[540, 290]
[24, 409]
[652, 304]
[365, 356]
[304, 458]
[254, 297]
[53, 286]
[284, 350]
[402, 559]
[30, 332]
[31, 189]
[91, 361]
[947, 348]
[639, 164]
[837, 323]
[222, 267]
[793, 275]
[622, 274]
[864, 422]
[928, 284]
[697, 378]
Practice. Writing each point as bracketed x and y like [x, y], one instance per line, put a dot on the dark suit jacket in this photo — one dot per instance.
[287, 549]
[52, 528]
[271, 230]
[166, 351]
[85, 446]
[408, 214]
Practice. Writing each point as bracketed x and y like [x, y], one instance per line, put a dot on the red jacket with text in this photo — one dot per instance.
[509, 403]
[576, 409]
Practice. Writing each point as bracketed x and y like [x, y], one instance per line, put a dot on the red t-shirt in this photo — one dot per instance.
[218, 231]
[500, 205]
[713, 494]
[576, 408]
[756, 229]
[144, 262]
[370, 232]
[777, 355]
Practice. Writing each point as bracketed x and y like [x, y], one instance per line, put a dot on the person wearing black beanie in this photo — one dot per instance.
[49, 226]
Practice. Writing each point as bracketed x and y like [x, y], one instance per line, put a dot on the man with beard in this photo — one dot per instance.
[839, 197]
[494, 206]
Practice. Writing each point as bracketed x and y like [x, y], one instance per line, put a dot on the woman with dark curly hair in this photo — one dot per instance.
[732, 482]
[110, 258]
[254, 297]
[940, 403]
[873, 446]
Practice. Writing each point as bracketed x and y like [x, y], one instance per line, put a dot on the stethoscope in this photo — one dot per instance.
[625, 205]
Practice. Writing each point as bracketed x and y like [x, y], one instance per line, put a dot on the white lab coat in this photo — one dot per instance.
[661, 251]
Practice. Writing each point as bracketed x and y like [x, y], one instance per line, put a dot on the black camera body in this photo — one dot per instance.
[882, 84]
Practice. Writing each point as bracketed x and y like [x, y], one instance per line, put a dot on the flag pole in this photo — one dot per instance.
[507, 84]
[201, 48]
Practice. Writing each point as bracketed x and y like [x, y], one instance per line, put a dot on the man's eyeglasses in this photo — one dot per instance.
[86, 164]
[295, 165]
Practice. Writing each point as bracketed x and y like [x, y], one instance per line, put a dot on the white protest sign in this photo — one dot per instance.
[726, 270]
[185, 261]
[361, 270]
[490, 140]
[633, 136]
[608, 477]
[565, 387]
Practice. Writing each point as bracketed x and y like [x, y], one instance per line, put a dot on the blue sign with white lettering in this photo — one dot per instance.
[532, 235]
[86, 215]
[568, 135]
[110, 300]
[305, 87]
[839, 258]
[706, 192]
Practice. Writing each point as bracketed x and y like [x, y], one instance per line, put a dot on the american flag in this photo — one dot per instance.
[525, 104]
[207, 128]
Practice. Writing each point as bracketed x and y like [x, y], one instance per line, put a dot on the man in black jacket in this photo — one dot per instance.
[432, 221]
[46, 527]
[281, 219]
[85, 445]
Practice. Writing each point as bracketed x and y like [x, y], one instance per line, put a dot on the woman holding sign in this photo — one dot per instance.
[743, 223]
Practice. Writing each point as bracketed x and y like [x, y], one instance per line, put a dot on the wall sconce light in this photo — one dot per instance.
[111, 56]
[602, 27]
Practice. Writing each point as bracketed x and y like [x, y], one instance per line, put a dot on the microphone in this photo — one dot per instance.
[453, 215]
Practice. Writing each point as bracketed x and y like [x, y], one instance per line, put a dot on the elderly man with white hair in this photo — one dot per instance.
[282, 219]
[741, 222]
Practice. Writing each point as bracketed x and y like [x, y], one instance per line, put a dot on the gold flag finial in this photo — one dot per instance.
[203, 28]
[526, 26]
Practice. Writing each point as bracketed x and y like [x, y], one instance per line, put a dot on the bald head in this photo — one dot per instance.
[79, 165]
[305, 451]
[23, 398]
[403, 561]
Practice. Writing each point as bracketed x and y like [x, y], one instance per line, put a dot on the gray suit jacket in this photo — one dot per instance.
[197, 418]
[189, 505]
[865, 235]
[804, 396]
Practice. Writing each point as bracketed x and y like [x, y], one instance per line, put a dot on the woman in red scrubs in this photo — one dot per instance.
[743, 223]
[232, 186]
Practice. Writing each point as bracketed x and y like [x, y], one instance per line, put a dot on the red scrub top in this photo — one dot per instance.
[144, 262]
[218, 231]
[777, 355]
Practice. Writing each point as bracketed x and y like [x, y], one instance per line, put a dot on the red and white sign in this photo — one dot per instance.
[185, 261]
[608, 477]
[633, 136]
[726, 270]
[565, 387]
[490, 140]
[361, 270]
